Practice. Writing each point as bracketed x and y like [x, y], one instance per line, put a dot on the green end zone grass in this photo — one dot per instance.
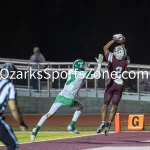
[24, 137]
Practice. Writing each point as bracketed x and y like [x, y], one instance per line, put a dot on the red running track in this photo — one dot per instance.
[122, 139]
[64, 120]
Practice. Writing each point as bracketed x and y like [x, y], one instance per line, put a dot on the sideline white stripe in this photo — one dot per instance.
[135, 131]
[48, 131]
[146, 141]
[66, 138]
[122, 148]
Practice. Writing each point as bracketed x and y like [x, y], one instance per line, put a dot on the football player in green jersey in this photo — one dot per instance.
[76, 78]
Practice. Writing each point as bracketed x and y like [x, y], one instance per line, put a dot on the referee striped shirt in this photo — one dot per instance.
[7, 92]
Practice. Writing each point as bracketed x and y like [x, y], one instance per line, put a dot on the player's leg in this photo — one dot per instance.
[107, 98]
[78, 107]
[43, 119]
[7, 136]
[115, 102]
[111, 117]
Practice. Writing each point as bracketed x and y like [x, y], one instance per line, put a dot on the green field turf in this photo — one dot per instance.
[24, 137]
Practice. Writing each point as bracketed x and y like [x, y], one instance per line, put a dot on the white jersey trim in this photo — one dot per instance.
[110, 57]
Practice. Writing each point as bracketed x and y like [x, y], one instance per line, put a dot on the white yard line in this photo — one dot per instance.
[125, 148]
[121, 148]
[135, 131]
[146, 141]
[68, 132]
[51, 131]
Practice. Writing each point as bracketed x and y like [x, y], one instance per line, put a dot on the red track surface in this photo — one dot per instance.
[123, 139]
[115, 139]
[64, 120]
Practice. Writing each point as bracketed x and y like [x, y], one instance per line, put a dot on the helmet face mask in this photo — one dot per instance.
[79, 65]
[120, 52]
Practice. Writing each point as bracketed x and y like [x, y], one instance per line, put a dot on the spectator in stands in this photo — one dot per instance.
[147, 84]
[37, 57]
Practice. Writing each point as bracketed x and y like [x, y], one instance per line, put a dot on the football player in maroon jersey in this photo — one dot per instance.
[117, 63]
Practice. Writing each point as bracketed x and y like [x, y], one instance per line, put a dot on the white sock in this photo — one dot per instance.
[42, 120]
[52, 111]
[76, 115]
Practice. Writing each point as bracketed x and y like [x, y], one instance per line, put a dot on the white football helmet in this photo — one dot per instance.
[120, 52]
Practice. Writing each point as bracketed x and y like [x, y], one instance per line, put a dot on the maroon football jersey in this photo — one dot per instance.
[115, 66]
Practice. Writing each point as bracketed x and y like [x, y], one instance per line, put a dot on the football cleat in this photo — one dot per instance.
[100, 129]
[72, 129]
[33, 135]
[108, 125]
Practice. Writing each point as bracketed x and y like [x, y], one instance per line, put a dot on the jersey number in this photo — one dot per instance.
[118, 72]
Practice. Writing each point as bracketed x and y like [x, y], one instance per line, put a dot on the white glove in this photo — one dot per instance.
[99, 59]
[118, 37]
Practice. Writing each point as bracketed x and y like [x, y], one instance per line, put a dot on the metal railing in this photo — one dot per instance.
[131, 86]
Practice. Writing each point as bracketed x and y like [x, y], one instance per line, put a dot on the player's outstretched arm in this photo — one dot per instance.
[99, 62]
[98, 69]
[16, 114]
[107, 46]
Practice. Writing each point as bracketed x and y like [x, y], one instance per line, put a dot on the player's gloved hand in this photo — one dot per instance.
[99, 59]
[23, 127]
[118, 37]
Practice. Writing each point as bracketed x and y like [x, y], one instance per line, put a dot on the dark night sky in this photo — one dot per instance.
[67, 30]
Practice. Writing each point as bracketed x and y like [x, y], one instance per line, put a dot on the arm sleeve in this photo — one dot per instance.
[88, 74]
[82, 74]
[109, 57]
[12, 93]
